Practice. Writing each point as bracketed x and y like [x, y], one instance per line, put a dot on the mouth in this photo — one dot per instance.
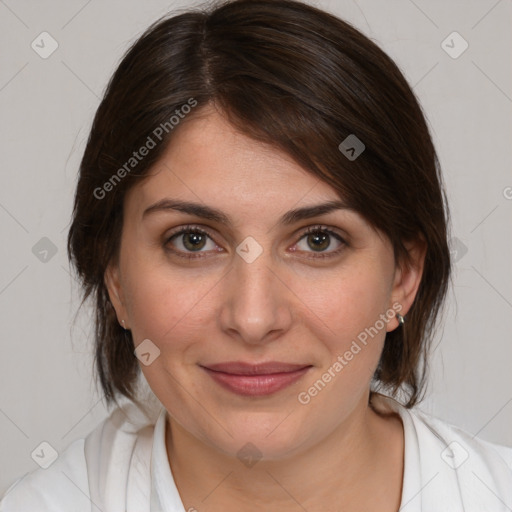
[255, 379]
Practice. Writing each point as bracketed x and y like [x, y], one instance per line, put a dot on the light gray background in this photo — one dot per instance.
[47, 391]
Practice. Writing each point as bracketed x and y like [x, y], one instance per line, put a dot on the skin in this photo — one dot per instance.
[285, 306]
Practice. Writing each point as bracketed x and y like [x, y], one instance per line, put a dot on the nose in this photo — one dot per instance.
[256, 303]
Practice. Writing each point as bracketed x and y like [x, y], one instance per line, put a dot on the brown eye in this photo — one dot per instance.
[322, 241]
[193, 241]
[318, 241]
[190, 240]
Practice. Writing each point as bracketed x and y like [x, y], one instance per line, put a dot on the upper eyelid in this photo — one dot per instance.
[322, 227]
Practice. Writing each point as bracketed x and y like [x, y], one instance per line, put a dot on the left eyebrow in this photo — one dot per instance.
[308, 212]
[213, 214]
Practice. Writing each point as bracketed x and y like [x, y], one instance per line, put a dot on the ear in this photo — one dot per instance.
[113, 283]
[408, 278]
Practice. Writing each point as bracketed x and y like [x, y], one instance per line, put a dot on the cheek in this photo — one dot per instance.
[346, 306]
[165, 305]
[345, 314]
[346, 318]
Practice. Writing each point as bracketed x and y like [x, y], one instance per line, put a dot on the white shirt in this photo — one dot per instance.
[122, 466]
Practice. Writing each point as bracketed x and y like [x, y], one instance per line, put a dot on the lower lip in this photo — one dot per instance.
[256, 385]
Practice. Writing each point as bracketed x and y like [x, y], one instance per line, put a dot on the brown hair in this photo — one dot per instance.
[301, 80]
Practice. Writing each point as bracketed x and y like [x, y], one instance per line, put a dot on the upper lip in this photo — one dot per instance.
[243, 368]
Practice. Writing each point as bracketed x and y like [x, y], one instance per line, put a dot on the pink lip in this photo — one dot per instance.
[255, 380]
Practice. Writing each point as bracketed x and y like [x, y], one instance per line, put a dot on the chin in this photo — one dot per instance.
[261, 437]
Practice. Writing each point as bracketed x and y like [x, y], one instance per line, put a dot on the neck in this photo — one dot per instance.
[364, 452]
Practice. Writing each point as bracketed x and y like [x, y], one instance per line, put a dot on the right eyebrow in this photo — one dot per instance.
[197, 209]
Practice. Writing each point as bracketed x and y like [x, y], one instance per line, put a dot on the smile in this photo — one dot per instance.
[255, 380]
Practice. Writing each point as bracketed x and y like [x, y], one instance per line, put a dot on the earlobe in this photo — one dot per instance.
[408, 278]
[113, 283]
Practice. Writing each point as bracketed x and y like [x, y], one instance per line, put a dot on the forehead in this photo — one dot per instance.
[210, 161]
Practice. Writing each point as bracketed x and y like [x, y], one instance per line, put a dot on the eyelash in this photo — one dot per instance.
[200, 231]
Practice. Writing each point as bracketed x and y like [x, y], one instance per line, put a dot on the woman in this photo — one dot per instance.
[261, 222]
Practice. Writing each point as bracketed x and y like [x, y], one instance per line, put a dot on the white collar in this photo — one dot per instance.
[164, 494]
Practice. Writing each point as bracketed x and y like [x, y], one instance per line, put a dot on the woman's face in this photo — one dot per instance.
[252, 285]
